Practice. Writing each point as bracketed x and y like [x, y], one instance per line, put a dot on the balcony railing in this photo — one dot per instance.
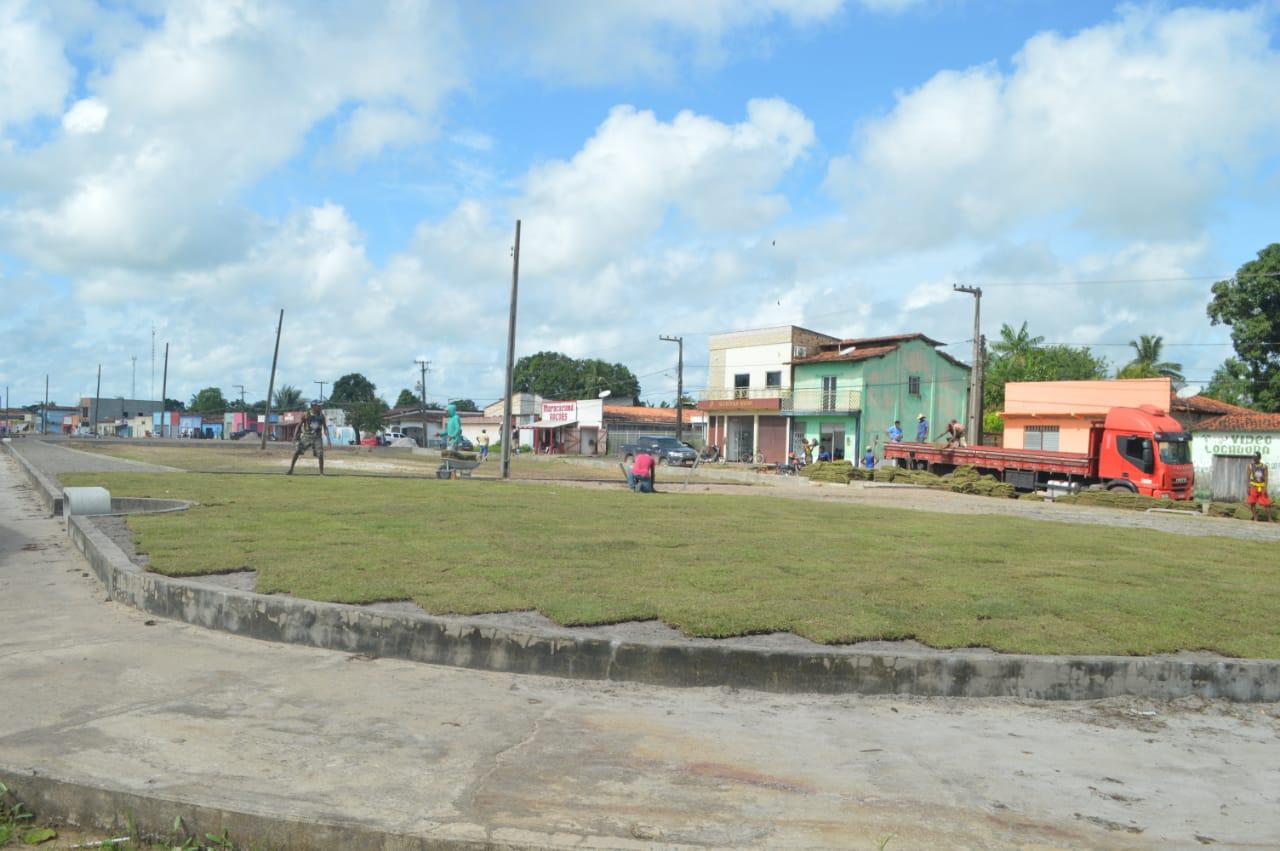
[817, 401]
[805, 401]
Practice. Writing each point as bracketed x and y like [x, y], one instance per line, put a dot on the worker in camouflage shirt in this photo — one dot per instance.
[311, 435]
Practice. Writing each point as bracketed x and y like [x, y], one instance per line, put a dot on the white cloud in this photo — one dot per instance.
[1134, 128]
[35, 76]
[85, 116]
[590, 42]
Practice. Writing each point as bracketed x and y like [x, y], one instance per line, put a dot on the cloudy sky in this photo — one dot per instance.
[679, 167]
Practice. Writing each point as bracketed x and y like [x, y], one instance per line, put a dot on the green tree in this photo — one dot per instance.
[209, 400]
[366, 417]
[465, 405]
[174, 405]
[1250, 304]
[1017, 345]
[352, 388]
[288, 398]
[1146, 362]
[407, 398]
[557, 376]
[1230, 384]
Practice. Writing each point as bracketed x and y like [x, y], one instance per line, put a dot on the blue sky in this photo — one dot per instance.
[679, 168]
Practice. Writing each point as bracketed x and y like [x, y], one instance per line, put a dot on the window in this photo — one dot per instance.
[913, 385]
[773, 379]
[741, 384]
[1040, 437]
[1136, 451]
[1175, 451]
[828, 392]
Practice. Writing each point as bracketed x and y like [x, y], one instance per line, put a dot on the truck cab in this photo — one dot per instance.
[1146, 451]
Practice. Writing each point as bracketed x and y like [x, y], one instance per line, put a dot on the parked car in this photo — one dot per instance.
[388, 436]
[236, 435]
[665, 450]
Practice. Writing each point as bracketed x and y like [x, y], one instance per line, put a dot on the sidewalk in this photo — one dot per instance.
[92, 694]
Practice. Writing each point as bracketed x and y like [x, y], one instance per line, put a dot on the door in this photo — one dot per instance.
[832, 440]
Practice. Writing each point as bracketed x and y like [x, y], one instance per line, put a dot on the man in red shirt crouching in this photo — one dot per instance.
[640, 477]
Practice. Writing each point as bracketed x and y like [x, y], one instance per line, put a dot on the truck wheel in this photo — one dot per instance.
[1121, 487]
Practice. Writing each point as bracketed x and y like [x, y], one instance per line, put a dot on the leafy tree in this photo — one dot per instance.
[1017, 345]
[351, 388]
[406, 398]
[1021, 357]
[1230, 384]
[558, 376]
[366, 417]
[208, 401]
[174, 405]
[1146, 362]
[288, 398]
[1250, 304]
[465, 405]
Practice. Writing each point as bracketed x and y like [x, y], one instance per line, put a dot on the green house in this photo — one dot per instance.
[847, 394]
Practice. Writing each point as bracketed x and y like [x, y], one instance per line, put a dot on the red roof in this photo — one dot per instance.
[843, 354]
[1205, 405]
[1242, 419]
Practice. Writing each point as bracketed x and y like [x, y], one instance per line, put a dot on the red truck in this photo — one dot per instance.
[1140, 450]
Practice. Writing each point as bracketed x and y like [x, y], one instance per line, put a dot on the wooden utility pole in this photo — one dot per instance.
[679, 384]
[422, 397]
[97, 395]
[511, 354]
[975, 374]
[271, 385]
[44, 412]
[164, 389]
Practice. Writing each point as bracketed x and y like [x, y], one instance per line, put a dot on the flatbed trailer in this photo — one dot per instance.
[1023, 468]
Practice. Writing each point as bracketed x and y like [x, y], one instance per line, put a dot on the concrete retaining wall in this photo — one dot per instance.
[119, 812]
[47, 490]
[460, 643]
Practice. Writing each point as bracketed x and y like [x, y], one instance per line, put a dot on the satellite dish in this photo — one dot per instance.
[605, 393]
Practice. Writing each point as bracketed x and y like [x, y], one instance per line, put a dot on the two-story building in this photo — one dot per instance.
[748, 378]
[847, 393]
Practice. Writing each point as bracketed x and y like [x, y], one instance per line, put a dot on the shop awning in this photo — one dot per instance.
[541, 424]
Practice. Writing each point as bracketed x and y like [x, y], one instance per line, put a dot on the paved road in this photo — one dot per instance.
[92, 693]
[54, 459]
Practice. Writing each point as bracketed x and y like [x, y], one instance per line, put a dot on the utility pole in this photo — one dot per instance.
[97, 395]
[240, 387]
[133, 380]
[679, 341]
[44, 412]
[151, 388]
[511, 354]
[271, 385]
[422, 397]
[164, 388]
[975, 374]
[322, 384]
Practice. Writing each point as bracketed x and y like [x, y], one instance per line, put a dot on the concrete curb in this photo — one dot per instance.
[468, 644]
[49, 492]
[92, 807]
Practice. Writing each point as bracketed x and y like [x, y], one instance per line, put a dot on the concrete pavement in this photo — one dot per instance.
[303, 743]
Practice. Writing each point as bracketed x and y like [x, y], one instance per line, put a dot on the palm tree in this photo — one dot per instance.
[288, 398]
[1016, 345]
[1146, 362]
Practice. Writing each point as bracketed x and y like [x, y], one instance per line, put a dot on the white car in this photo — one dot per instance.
[389, 436]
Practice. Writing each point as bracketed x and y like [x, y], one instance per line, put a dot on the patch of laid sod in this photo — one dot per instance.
[718, 565]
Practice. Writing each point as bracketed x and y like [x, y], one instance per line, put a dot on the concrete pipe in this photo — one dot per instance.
[86, 501]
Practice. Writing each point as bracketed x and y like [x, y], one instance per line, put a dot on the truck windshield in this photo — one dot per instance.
[1175, 451]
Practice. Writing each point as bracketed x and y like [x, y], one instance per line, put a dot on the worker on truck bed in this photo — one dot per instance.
[1257, 487]
[922, 429]
[895, 432]
[954, 435]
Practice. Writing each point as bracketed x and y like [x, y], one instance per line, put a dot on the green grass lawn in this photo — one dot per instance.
[718, 565]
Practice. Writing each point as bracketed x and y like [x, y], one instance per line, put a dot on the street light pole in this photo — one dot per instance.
[424, 363]
[975, 374]
[322, 384]
[507, 437]
[679, 341]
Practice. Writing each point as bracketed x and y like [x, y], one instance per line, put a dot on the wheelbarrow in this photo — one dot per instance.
[453, 467]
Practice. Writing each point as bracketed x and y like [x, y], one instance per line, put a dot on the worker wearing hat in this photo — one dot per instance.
[922, 429]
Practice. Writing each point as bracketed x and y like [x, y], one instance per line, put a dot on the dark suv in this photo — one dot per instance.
[665, 450]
